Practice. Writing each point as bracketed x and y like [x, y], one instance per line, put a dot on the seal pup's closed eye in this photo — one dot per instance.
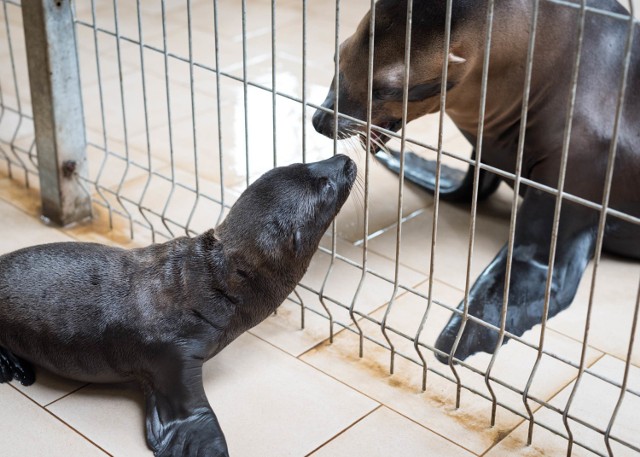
[96, 313]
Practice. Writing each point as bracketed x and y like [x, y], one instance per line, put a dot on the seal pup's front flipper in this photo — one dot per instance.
[180, 421]
[575, 247]
[13, 367]
[455, 185]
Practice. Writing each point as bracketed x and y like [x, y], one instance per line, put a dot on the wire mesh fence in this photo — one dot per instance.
[16, 119]
[186, 103]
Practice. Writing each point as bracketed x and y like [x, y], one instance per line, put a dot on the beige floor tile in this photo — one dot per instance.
[178, 203]
[453, 239]
[594, 403]
[383, 202]
[341, 287]
[284, 329]
[101, 412]
[20, 230]
[284, 420]
[48, 387]
[133, 92]
[30, 430]
[512, 366]
[613, 306]
[434, 409]
[384, 433]
[546, 444]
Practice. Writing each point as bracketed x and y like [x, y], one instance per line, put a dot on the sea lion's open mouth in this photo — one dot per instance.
[378, 138]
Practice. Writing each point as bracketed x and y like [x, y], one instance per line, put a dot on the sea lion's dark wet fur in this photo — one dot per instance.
[591, 136]
[103, 314]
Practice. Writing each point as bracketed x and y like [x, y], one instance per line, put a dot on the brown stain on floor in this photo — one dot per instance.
[374, 364]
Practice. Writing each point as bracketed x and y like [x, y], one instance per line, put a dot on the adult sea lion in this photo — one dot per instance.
[96, 313]
[599, 82]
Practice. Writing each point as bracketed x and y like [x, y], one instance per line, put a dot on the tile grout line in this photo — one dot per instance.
[363, 393]
[57, 418]
[66, 395]
[346, 429]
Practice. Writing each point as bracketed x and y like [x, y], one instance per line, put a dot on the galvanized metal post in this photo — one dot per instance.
[56, 99]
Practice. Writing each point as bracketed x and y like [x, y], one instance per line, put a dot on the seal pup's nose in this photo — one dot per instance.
[330, 166]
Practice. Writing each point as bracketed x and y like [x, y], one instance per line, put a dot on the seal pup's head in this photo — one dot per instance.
[425, 72]
[275, 227]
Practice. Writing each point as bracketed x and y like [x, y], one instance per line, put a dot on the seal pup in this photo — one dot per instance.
[599, 79]
[96, 313]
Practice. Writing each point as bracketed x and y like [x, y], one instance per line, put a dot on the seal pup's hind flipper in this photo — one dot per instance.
[13, 367]
[455, 185]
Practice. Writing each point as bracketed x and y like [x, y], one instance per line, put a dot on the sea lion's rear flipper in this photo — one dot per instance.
[13, 367]
[455, 185]
[530, 265]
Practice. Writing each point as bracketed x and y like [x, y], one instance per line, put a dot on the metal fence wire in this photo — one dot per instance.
[186, 103]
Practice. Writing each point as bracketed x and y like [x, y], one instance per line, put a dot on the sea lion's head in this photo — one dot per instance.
[388, 73]
[275, 227]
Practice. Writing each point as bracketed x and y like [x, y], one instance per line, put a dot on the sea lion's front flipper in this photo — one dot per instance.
[575, 247]
[455, 185]
[180, 421]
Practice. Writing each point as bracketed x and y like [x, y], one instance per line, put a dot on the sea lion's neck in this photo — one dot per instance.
[506, 72]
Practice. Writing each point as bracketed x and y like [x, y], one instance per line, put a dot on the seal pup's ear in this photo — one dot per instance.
[454, 59]
[210, 239]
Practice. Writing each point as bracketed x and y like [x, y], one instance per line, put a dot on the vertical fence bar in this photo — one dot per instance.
[218, 109]
[336, 132]
[16, 87]
[187, 228]
[273, 82]
[304, 121]
[54, 78]
[436, 193]
[146, 126]
[125, 130]
[105, 137]
[405, 104]
[304, 81]
[601, 229]
[367, 169]
[514, 206]
[245, 91]
[556, 219]
[474, 199]
[625, 376]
